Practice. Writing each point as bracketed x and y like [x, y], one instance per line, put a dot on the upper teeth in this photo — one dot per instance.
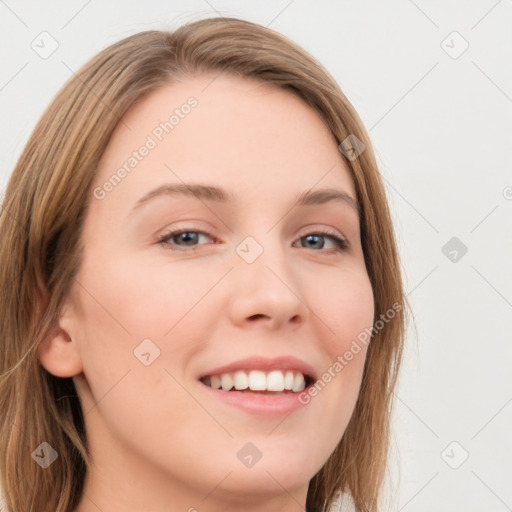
[257, 380]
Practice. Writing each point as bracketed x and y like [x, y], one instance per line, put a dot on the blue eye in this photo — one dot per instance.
[190, 238]
[313, 238]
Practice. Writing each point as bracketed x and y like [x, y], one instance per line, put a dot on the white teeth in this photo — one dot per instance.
[241, 380]
[226, 381]
[298, 383]
[288, 380]
[275, 381]
[215, 382]
[257, 380]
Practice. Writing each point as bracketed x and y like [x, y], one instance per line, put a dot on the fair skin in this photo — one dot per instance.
[160, 439]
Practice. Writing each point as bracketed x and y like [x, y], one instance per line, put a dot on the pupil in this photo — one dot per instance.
[188, 237]
[314, 236]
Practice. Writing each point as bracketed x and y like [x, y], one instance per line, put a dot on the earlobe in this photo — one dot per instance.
[59, 354]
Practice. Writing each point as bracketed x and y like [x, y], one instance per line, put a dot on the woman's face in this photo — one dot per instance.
[250, 284]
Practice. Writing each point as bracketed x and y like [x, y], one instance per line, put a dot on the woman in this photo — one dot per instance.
[202, 306]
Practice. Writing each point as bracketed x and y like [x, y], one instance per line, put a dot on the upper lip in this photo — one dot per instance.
[264, 364]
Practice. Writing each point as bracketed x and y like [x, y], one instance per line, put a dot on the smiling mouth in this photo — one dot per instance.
[275, 382]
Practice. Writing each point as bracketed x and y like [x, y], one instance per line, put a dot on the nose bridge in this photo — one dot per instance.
[263, 249]
[264, 254]
[262, 241]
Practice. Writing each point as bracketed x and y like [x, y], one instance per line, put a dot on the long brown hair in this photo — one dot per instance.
[40, 228]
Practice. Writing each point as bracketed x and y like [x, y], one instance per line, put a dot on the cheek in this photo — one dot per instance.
[123, 305]
[347, 310]
[138, 299]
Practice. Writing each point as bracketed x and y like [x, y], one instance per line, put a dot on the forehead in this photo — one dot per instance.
[250, 136]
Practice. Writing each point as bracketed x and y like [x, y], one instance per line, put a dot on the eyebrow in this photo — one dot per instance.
[220, 195]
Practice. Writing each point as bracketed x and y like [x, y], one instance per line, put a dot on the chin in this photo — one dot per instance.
[249, 485]
[275, 470]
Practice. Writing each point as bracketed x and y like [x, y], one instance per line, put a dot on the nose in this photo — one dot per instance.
[266, 292]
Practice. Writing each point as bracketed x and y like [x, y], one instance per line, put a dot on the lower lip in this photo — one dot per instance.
[260, 404]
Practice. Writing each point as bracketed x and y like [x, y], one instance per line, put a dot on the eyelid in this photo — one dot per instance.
[318, 228]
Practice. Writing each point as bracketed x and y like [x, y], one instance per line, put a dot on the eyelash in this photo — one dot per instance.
[342, 244]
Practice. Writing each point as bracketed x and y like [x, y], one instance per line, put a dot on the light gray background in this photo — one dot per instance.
[441, 126]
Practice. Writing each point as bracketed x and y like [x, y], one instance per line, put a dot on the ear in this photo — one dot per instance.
[59, 353]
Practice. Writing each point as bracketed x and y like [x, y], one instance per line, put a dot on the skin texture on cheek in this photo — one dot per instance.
[152, 319]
